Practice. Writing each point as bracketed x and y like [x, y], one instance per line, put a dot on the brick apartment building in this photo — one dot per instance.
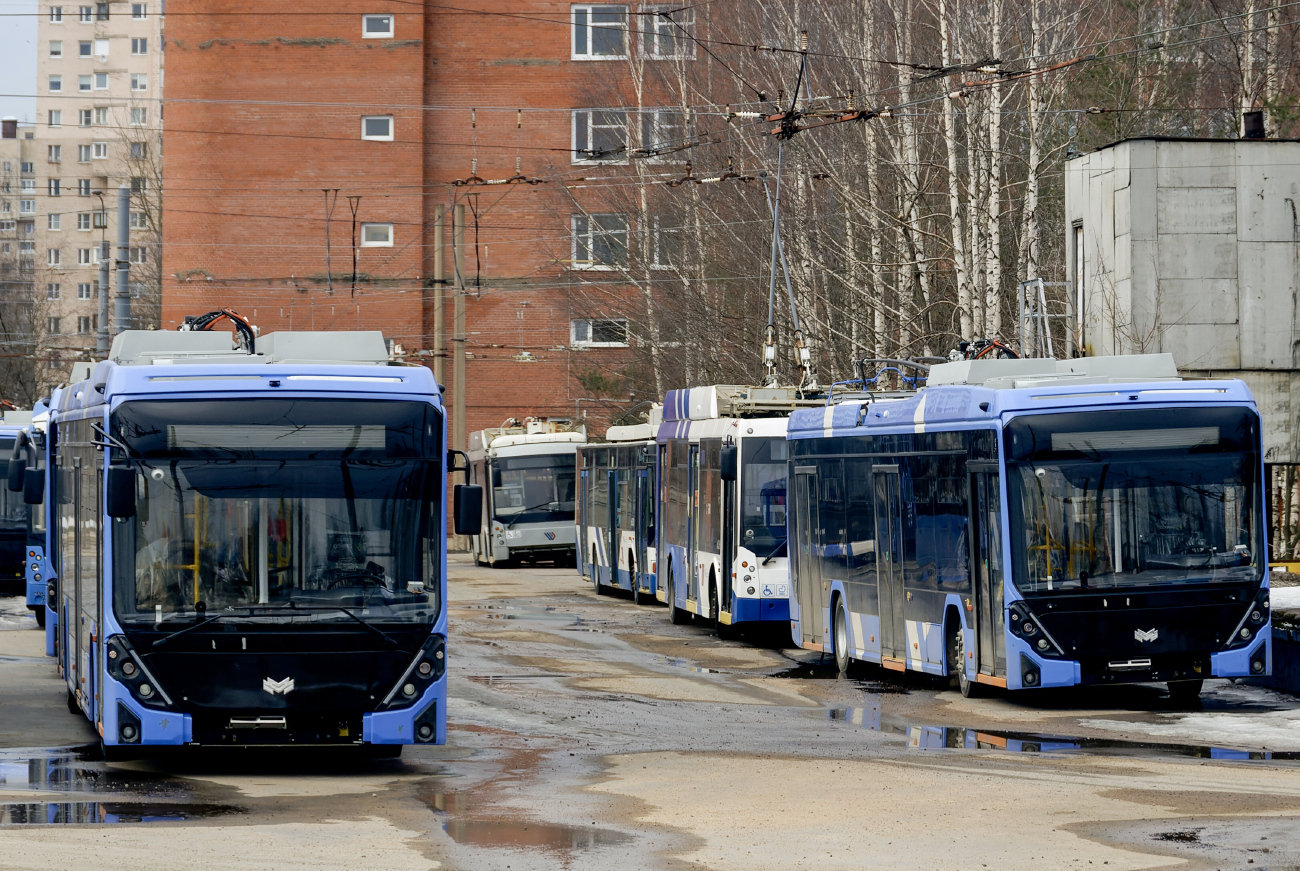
[282, 124]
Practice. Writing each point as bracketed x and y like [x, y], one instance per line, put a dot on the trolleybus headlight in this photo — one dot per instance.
[1245, 632]
[1031, 678]
[1043, 644]
[36, 577]
[128, 668]
[437, 654]
[425, 731]
[145, 690]
[1257, 666]
[426, 668]
[749, 591]
[1257, 616]
[1028, 627]
[128, 732]
[408, 690]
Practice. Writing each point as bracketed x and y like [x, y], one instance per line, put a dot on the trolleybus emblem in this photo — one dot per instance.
[1146, 634]
[281, 687]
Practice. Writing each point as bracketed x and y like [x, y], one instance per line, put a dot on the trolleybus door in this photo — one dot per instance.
[78, 621]
[580, 515]
[692, 511]
[729, 536]
[612, 520]
[889, 562]
[986, 566]
[808, 572]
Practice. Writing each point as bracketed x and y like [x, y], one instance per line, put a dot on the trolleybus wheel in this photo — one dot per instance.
[73, 707]
[384, 751]
[841, 637]
[638, 598]
[40, 616]
[1185, 692]
[679, 616]
[595, 575]
[957, 660]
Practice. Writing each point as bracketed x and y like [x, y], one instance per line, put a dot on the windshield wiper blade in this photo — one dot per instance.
[388, 639]
[199, 625]
[531, 508]
[771, 556]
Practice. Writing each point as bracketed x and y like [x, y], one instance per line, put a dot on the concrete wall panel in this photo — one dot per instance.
[1266, 284]
[1196, 255]
[1198, 301]
[1195, 164]
[1197, 210]
[1201, 346]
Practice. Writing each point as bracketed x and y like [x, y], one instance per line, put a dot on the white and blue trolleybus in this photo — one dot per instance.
[251, 542]
[1035, 523]
[615, 520]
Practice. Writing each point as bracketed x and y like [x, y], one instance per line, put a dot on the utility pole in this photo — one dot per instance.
[458, 326]
[439, 328]
[101, 329]
[122, 308]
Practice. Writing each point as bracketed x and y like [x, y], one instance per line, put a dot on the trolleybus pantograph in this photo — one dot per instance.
[251, 543]
[1035, 523]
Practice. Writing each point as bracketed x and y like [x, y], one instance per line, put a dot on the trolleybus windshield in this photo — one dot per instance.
[1135, 499]
[763, 494]
[280, 511]
[536, 489]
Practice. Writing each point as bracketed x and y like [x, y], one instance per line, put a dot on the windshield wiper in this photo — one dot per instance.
[771, 556]
[388, 639]
[531, 508]
[199, 625]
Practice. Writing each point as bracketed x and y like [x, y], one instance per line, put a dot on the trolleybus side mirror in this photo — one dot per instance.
[17, 470]
[34, 487]
[121, 492]
[728, 462]
[467, 509]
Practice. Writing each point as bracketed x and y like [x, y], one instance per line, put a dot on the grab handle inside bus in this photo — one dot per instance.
[467, 509]
[121, 492]
[728, 462]
[33, 487]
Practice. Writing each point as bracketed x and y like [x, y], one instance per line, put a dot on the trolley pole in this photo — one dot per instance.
[439, 276]
[122, 307]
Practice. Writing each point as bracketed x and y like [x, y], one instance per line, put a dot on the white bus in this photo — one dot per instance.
[616, 510]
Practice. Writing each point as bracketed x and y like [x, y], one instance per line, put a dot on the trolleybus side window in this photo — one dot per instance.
[709, 517]
[678, 497]
[763, 494]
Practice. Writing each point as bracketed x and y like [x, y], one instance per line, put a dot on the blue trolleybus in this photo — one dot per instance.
[722, 504]
[1036, 523]
[21, 501]
[251, 542]
[617, 484]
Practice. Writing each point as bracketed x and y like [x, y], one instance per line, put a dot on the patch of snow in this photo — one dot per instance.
[1284, 597]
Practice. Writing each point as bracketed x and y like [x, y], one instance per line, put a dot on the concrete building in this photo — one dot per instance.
[99, 113]
[1192, 247]
[346, 134]
[17, 206]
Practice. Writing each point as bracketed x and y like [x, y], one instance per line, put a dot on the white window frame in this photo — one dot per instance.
[52, 326]
[84, 290]
[85, 48]
[101, 49]
[584, 236]
[53, 290]
[99, 150]
[86, 256]
[56, 48]
[85, 83]
[56, 84]
[56, 118]
[366, 33]
[138, 150]
[101, 115]
[85, 14]
[101, 77]
[56, 15]
[139, 45]
[54, 257]
[139, 116]
[139, 221]
[99, 219]
[139, 11]
[85, 117]
[588, 123]
[54, 221]
[582, 49]
[85, 323]
[655, 29]
[376, 244]
[83, 220]
[83, 153]
[587, 326]
[139, 81]
[53, 187]
[392, 126]
[139, 255]
[652, 127]
[54, 153]
[83, 187]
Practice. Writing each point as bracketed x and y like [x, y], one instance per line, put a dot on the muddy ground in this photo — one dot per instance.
[589, 733]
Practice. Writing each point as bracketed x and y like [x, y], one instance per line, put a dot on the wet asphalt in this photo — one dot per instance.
[589, 732]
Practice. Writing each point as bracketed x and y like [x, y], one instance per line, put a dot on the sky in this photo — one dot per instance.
[18, 59]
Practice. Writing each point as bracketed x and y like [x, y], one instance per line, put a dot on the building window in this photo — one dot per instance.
[53, 291]
[377, 127]
[663, 131]
[139, 150]
[52, 326]
[101, 115]
[56, 48]
[83, 154]
[83, 290]
[53, 221]
[100, 150]
[101, 49]
[376, 235]
[139, 184]
[139, 45]
[139, 255]
[85, 323]
[86, 256]
[599, 241]
[56, 15]
[101, 11]
[85, 47]
[83, 187]
[83, 117]
[665, 39]
[56, 117]
[139, 221]
[101, 81]
[56, 83]
[139, 116]
[599, 32]
[83, 83]
[52, 187]
[599, 135]
[54, 153]
[139, 82]
[8, 227]
[83, 220]
[54, 257]
[87, 14]
[27, 184]
[665, 242]
[598, 333]
[100, 220]
[139, 11]
[376, 26]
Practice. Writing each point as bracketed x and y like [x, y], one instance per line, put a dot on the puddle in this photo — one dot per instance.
[490, 679]
[79, 771]
[77, 813]
[961, 737]
[678, 662]
[516, 834]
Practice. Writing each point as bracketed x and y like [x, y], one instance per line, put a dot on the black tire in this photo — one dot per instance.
[1186, 693]
[117, 752]
[384, 751]
[40, 616]
[678, 615]
[73, 707]
[840, 636]
[957, 661]
[595, 575]
[638, 597]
